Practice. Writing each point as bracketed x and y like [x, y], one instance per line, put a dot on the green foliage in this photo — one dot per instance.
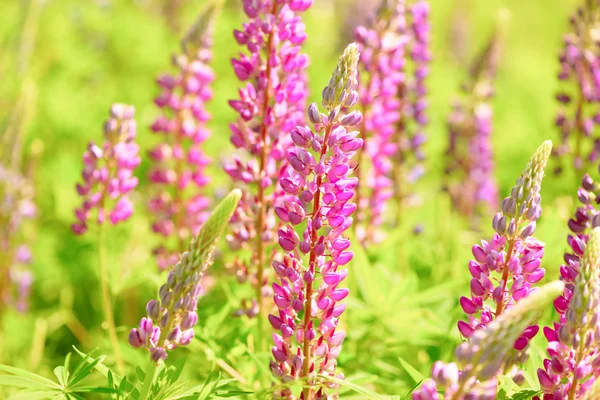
[403, 305]
[70, 381]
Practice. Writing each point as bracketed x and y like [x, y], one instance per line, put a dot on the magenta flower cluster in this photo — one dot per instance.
[470, 160]
[319, 189]
[579, 99]
[382, 47]
[16, 207]
[108, 172]
[505, 269]
[394, 107]
[270, 105]
[563, 372]
[178, 171]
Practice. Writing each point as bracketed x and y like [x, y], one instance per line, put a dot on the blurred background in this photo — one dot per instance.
[64, 62]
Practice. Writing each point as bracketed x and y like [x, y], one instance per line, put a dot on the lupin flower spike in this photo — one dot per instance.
[16, 206]
[470, 169]
[270, 105]
[319, 189]
[178, 161]
[393, 107]
[574, 343]
[480, 360]
[512, 258]
[171, 317]
[579, 101]
[108, 172]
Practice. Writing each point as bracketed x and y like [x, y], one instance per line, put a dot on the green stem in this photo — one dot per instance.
[106, 301]
[150, 371]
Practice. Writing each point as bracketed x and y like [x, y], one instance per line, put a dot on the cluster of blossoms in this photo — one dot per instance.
[16, 206]
[486, 354]
[171, 318]
[270, 105]
[505, 269]
[580, 70]
[319, 189]
[470, 169]
[178, 161]
[108, 171]
[574, 341]
[394, 105]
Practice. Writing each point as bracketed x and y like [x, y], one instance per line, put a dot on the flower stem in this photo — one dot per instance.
[106, 301]
[261, 220]
[150, 371]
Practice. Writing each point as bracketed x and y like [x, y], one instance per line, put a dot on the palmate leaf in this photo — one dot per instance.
[37, 387]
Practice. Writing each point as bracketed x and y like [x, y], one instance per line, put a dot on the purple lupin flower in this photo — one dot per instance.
[394, 62]
[179, 206]
[270, 105]
[579, 99]
[505, 269]
[319, 189]
[482, 359]
[172, 316]
[382, 45]
[570, 371]
[108, 172]
[470, 164]
[574, 343]
[16, 206]
[410, 129]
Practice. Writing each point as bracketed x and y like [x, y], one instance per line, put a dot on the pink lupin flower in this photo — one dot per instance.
[470, 164]
[179, 206]
[504, 270]
[171, 317]
[108, 172]
[16, 207]
[319, 189]
[394, 41]
[574, 342]
[579, 114]
[482, 360]
[269, 105]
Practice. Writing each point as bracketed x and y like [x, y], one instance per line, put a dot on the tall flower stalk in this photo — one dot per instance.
[171, 317]
[505, 269]
[480, 360]
[470, 165]
[179, 204]
[270, 105]
[579, 99]
[318, 191]
[574, 342]
[17, 206]
[393, 44]
[107, 180]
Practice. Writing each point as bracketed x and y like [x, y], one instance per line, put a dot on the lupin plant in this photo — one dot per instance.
[319, 189]
[393, 104]
[580, 98]
[270, 105]
[505, 269]
[470, 160]
[574, 342]
[172, 316]
[107, 181]
[383, 46]
[480, 360]
[16, 206]
[179, 204]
